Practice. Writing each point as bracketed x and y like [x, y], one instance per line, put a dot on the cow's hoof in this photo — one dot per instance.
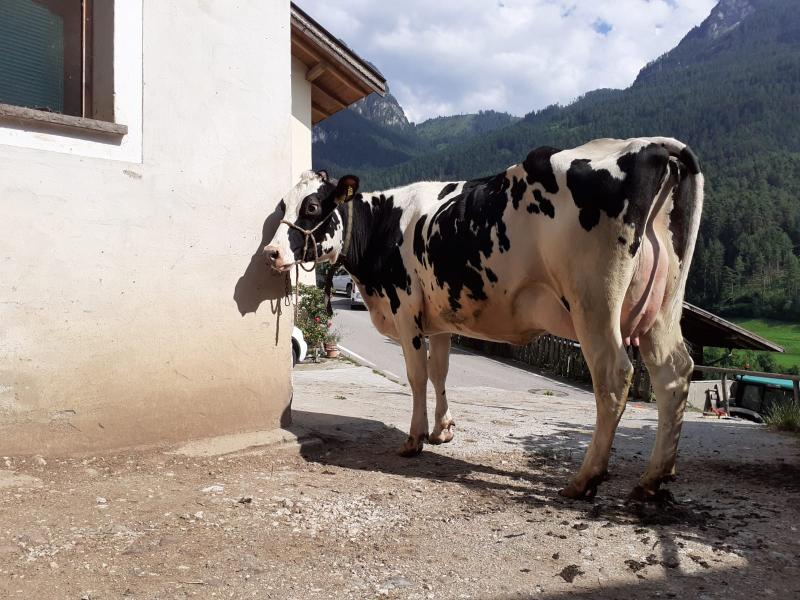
[648, 495]
[573, 492]
[412, 447]
[442, 437]
[587, 492]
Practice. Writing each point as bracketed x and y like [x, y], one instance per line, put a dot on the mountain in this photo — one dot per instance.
[731, 89]
[375, 133]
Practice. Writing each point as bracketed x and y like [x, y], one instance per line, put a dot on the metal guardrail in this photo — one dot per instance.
[795, 379]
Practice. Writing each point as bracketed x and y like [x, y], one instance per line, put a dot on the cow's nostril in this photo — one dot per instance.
[273, 254]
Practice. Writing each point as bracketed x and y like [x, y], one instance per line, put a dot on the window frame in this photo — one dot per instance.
[120, 140]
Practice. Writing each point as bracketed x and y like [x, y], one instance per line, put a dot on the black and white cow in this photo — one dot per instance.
[592, 244]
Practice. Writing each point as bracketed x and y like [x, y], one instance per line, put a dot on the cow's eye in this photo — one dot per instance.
[313, 208]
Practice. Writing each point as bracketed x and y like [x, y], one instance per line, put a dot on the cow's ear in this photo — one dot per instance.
[346, 188]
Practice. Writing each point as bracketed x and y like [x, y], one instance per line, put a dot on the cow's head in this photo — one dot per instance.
[309, 207]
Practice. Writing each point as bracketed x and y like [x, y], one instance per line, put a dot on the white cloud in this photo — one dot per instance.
[457, 56]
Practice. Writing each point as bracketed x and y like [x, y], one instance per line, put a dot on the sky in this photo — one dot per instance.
[445, 57]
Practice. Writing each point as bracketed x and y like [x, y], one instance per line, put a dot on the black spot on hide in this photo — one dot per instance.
[467, 224]
[375, 259]
[597, 191]
[539, 168]
[545, 205]
[447, 190]
[518, 191]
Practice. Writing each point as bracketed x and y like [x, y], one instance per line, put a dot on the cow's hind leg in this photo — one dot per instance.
[670, 367]
[601, 342]
[438, 363]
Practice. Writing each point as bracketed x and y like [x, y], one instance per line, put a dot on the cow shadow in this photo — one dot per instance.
[259, 283]
[705, 511]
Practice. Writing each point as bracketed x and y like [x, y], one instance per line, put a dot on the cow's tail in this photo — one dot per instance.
[684, 218]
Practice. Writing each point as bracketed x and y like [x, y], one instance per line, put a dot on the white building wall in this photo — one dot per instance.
[301, 120]
[301, 136]
[123, 280]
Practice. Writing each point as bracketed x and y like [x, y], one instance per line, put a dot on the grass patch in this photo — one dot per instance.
[786, 334]
[784, 417]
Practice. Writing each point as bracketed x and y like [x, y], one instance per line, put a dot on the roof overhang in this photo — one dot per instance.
[338, 76]
[703, 328]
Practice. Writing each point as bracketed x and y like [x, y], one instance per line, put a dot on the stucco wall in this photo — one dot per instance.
[122, 283]
[301, 137]
[301, 120]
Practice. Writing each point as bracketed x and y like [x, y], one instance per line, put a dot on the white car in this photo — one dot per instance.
[356, 299]
[343, 283]
[299, 346]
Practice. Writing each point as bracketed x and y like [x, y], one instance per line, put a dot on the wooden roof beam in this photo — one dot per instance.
[316, 71]
[317, 108]
[339, 104]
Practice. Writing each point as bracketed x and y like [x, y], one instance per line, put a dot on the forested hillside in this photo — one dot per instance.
[374, 133]
[731, 89]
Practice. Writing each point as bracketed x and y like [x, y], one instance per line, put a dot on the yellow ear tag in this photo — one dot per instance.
[347, 196]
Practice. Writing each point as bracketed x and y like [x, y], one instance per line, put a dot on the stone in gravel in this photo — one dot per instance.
[245, 500]
[581, 526]
[556, 556]
[397, 582]
[570, 572]
[699, 560]
[213, 489]
[652, 559]
[39, 461]
[101, 500]
[635, 565]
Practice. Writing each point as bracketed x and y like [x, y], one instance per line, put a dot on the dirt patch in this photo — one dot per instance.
[353, 520]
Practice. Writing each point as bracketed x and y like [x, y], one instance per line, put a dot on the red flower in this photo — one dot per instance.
[317, 319]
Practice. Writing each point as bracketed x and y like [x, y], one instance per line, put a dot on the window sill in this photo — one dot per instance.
[46, 121]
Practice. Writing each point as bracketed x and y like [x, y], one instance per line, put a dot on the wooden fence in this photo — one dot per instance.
[559, 357]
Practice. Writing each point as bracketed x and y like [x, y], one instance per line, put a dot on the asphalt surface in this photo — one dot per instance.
[361, 340]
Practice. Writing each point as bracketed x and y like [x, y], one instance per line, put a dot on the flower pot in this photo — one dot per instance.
[331, 350]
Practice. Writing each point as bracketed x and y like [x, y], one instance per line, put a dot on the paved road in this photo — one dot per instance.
[467, 369]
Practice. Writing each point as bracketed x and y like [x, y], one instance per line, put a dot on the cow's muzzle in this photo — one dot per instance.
[275, 258]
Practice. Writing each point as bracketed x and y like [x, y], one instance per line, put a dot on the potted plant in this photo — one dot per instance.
[332, 342]
[312, 318]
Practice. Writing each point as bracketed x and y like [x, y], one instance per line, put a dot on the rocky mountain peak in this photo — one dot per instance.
[384, 111]
[725, 17]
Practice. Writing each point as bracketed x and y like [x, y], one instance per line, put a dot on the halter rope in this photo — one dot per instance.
[308, 234]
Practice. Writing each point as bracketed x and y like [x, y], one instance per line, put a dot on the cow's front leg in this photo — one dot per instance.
[438, 363]
[415, 353]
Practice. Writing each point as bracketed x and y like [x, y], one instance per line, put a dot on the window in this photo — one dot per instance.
[58, 56]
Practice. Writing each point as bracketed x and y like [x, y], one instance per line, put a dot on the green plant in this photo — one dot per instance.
[312, 317]
[332, 336]
[784, 416]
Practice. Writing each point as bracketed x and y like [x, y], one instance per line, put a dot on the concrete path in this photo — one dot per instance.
[361, 340]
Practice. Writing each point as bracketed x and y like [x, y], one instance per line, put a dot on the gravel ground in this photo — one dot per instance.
[341, 516]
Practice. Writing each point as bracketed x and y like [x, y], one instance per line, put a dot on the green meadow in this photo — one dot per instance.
[786, 334]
